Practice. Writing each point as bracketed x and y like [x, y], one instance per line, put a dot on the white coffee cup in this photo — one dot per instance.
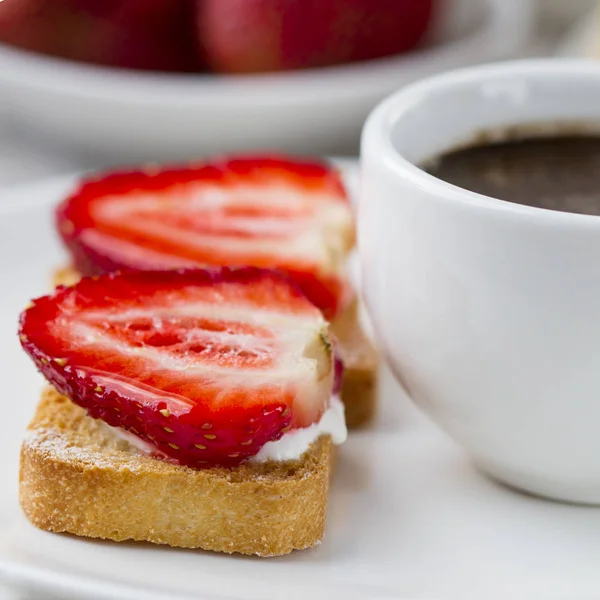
[488, 311]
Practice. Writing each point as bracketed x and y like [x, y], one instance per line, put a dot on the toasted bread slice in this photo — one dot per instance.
[78, 477]
[360, 359]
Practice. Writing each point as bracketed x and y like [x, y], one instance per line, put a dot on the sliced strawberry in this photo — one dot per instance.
[265, 212]
[205, 365]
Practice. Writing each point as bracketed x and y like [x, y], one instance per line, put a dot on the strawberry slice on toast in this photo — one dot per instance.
[205, 366]
[267, 212]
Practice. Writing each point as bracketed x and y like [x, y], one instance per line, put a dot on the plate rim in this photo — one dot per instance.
[23, 577]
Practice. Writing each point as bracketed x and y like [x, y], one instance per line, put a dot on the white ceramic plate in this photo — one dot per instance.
[132, 116]
[408, 516]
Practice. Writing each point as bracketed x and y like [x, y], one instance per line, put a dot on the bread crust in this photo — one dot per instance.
[361, 361]
[76, 476]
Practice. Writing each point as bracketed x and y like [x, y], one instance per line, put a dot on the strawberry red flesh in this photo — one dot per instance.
[265, 212]
[251, 36]
[132, 34]
[206, 366]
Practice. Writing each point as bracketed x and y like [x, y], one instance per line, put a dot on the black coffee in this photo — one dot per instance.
[557, 173]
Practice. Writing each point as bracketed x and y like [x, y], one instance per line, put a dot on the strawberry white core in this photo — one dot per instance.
[225, 346]
[268, 223]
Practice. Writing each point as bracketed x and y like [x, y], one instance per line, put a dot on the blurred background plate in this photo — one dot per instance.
[126, 116]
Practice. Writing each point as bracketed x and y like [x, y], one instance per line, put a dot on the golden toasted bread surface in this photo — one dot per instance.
[76, 476]
[361, 363]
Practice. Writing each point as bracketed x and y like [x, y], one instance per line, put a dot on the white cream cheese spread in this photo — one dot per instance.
[291, 446]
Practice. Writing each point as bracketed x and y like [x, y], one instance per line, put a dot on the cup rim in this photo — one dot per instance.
[381, 121]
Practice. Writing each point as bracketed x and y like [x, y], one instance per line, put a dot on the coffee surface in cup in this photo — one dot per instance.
[557, 173]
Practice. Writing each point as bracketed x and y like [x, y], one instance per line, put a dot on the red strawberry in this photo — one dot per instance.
[134, 34]
[250, 36]
[265, 212]
[205, 365]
